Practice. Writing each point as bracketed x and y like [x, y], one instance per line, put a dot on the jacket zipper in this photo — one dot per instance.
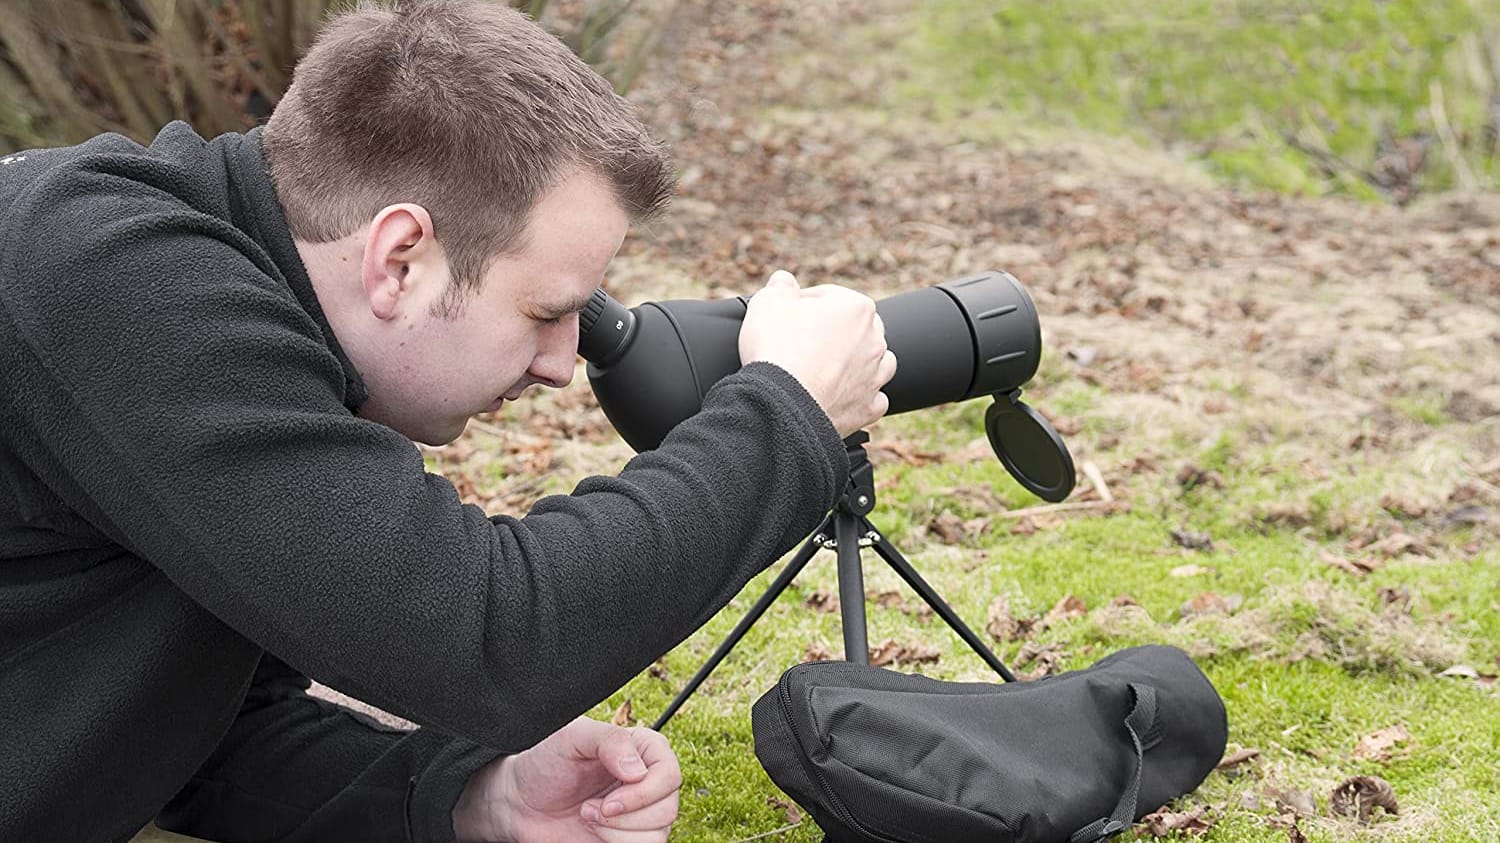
[833, 799]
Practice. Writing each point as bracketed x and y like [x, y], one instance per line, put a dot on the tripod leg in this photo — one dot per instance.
[783, 579]
[846, 529]
[892, 556]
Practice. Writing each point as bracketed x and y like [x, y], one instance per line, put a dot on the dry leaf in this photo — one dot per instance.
[819, 652]
[1293, 831]
[1028, 524]
[948, 528]
[1048, 658]
[1002, 627]
[886, 599]
[1397, 596]
[624, 715]
[822, 601]
[1209, 603]
[1464, 671]
[1192, 540]
[919, 654]
[788, 807]
[658, 669]
[1358, 567]
[1083, 355]
[884, 653]
[1377, 745]
[1471, 514]
[1191, 477]
[1397, 544]
[1465, 492]
[896, 449]
[1189, 571]
[1066, 609]
[1298, 802]
[1238, 757]
[1163, 823]
[1292, 516]
[1397, 505]
[1123, 600]
[890, 651]
[1359, 796]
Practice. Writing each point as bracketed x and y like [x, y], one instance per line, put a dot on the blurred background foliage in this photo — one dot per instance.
[1379, 98]
[70, 69]
[1383, 99]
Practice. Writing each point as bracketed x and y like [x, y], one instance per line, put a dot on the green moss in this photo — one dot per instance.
[1250, 86]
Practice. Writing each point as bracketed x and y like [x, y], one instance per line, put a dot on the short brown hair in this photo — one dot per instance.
[464, 107]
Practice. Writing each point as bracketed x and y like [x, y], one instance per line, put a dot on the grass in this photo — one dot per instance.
[1312, 660]
[1375, 99]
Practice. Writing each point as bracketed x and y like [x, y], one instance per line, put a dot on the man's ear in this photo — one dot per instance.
[401, 254]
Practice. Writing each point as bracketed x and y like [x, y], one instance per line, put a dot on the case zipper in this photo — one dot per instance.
[834, 801]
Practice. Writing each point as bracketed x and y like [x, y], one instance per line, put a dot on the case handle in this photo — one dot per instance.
[1137, 723]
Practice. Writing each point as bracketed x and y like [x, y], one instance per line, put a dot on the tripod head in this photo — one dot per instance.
[859, 496]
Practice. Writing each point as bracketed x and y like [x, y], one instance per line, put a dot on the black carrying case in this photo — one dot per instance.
[876, 755]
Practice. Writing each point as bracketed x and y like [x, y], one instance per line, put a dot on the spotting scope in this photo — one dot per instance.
[651, 365]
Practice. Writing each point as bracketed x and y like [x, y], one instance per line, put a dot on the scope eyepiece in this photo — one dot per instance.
[604, 328]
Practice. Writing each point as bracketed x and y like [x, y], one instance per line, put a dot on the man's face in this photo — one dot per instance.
[429, 372]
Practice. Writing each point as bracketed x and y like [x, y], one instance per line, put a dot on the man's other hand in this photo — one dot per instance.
[830, 339]
[586, 782]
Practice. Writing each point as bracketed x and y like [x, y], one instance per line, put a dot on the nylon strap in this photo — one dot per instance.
[1136, 723]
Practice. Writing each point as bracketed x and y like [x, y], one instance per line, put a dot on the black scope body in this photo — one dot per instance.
[651, 366]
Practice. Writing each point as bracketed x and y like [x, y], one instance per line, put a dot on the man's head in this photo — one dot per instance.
[457, 181]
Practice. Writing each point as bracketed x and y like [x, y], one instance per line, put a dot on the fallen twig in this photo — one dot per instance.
[1449, 140]
[783, 830]
[1096, 477]
[1075, 506]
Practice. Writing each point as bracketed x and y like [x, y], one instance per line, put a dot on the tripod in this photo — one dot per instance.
[844, 530]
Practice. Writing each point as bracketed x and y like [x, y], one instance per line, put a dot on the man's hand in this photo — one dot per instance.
[830, 339]
[587, 782]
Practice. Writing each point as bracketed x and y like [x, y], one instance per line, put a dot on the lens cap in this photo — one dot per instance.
[1029, 447]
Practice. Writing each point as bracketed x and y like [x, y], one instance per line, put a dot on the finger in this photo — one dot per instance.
[663, 777]
[620, 835]
[879, 326]
[654, 747]
[621, 758]
[881, 405]
[782, 278]
[659, 814]
[887, 368]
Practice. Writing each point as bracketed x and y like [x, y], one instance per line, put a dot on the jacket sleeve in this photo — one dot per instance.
[298, 769]
[156, 373]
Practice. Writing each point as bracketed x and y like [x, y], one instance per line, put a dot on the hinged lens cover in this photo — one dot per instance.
[1029, 447]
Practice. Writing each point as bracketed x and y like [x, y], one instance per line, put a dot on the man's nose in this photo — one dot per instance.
[557, 358]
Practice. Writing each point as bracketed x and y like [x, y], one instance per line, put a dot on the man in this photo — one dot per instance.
[213, 357]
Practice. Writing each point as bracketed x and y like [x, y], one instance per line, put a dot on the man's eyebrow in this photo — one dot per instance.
[567, 307]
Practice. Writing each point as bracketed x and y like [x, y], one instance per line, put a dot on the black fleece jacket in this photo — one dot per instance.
[193, 517]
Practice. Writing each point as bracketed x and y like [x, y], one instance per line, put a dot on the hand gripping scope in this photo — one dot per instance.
[651, 365]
